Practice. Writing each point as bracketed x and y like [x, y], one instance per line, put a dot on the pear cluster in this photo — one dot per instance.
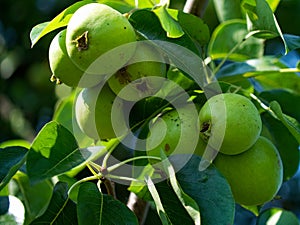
[227, 126]
[231, 125]
[99, 53]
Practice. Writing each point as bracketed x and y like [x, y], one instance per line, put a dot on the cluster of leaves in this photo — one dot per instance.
[56, 178]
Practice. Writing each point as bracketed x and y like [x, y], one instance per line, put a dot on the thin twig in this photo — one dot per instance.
[196, 7]
[139, 207]
[110, 187]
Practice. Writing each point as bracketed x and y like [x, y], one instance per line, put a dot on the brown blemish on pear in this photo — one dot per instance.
[205, 130]
[123, 76]
[81, 42]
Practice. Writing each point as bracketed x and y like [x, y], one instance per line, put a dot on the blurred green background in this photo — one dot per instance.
[27, 96]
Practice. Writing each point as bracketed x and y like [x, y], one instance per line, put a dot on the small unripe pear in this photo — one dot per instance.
[94, 30]
[137, 75]
[93, 112]
[64, 70]
[230, 123]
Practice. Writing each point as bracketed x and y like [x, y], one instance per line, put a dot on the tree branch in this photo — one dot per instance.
[139, 207]
[196, 7]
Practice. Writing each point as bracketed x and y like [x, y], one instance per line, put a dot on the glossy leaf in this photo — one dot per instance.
[286, 144]
[234, 71]
[54, 151]
[210, 190]
[216, 207]
[292, 41]
[266, 73]
[145, 4]
[194, 27]
[234, 32]
[186, 201]
[273, 4]
[121, 6]
[61, 210]
[227, 10]
[286, 99]
[15, 142]
[277, 216]
[35, 197]
[59, 21]
[182, 51]
[11, 160]
[62, 116]
[169, 24]
[139, 188]
[147, 24]
[260, 18]
[290, 123]
[165, 219]
[95, 208]
[145, 108]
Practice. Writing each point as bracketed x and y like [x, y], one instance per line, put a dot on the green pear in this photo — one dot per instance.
[93, 112]
[97, 38]
[136, 76]
[175, 132]
[64, 69]
[255, 175]
[230, 123]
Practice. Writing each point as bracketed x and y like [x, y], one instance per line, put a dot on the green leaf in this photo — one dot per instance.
[268, 75]
[100, 209]
[169, 24]
[159, 206]
[145, 4]
[121, 6]
[35, 197]
[145, 108]
[261, 20]
[59, 21]
[209, 189]
[62, 116]
[195, 27]
[4, 191]
[61, 210]
[286, 144]
[292, 41]
[141, 189]
[273, 4]
[53, 151]
[15, 142]
[286, 99]
[147, 24]
[234, 71]
[277, 216]
[11, 160]
[182, 51]
[187, 202]
[290, 123]
[227, 10]
[229, 36]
